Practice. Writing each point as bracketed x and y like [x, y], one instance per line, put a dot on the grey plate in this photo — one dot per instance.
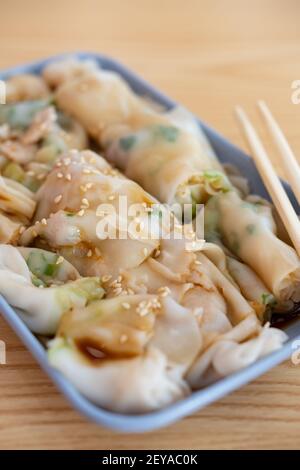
[197, 400]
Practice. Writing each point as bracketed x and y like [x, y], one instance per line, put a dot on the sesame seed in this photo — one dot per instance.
[83, 188]
[81, 212]
[106, 277]
[126, 305]
[44, 221]
[22, 229]
[157, 253]
[111, 197]
[86, 171]
[118, 291]
[68, 177]
[60, 260]
[145, 251]
[89, 253]
[41, 176]
[34, 233]
[97, 251]
[30, 173]
[59, 175]
[58, 198]
[85, 202]
[163, 291]
[89, 185]
[59, 164]
[143, 312]
[197, 262]
[67, 161]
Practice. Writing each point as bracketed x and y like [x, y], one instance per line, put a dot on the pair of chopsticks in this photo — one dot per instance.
[267, 172]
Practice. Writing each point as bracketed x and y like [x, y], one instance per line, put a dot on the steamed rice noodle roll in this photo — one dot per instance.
[9, 229]
[249, 231]
[46, 286]
[240, 347]
[140, 384]
[137, 335]
[25, 87]
[68, 215]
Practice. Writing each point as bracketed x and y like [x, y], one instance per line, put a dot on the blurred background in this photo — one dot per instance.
[208, 55]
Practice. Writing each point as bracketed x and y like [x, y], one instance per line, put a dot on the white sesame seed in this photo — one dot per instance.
[111, 197]
[126, 305]
[44, 221]
[97, 251]
[68, 177]
[85, 202]
[60, 260]
[22, 229]
[123, 339]
[145, 251]
[163, 291]
[81, 212]
[89, 253]
[58, 198]
[59, 175]
[106, 278]
[118, 291]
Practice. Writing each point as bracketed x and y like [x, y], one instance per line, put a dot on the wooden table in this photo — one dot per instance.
[209, 56]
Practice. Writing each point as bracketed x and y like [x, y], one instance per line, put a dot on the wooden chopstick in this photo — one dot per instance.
[289, 162]
[270, 179]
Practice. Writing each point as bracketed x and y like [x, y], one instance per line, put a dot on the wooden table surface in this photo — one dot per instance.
[208, 55]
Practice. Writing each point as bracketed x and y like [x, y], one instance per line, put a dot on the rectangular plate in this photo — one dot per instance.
[198, 399]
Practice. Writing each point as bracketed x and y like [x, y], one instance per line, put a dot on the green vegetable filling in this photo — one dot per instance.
[126, 143]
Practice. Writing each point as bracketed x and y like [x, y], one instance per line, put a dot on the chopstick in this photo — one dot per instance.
[289, 162]
[270, 179]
